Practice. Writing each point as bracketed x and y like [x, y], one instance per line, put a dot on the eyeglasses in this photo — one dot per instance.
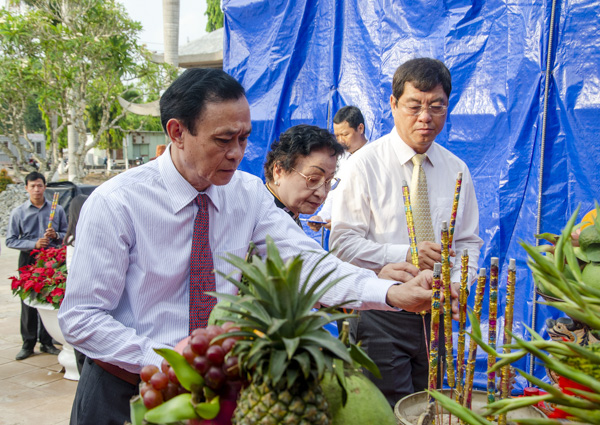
[313, 182]
[416, 110]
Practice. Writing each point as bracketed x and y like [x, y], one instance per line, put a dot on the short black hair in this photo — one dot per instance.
[186, 97]
[424, 73]
[350, 114]
[33, 176]
[299, 141]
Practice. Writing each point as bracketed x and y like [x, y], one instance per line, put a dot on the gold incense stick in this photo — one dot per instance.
[470, 373]
[447, 306]
[53, 209]
[492, 321]
[462, 322]
[414, 255]
[454, 208]
[434, 338]
[505, 388]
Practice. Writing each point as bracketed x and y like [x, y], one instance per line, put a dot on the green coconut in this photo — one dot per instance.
[366, 404]
[591, 275]
[589, 241]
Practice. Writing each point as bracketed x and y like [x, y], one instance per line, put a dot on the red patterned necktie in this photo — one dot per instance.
[202, 278]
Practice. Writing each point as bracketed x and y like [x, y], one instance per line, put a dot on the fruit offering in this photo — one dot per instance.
[200, 383]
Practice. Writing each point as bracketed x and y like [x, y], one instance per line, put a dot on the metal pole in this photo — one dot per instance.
[542, 151]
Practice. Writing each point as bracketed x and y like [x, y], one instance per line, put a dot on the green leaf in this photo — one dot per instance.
[208, 410]
[137, 410]
[179, 408]
[318, 357]
[277, 365]
[328, 342]
[338, 368]
[290, 346]
[459, 411]
[303, 360]
[550, 237]
[188, 377]
[360, 357]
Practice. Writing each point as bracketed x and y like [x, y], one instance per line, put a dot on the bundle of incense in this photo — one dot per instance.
[434, 338]
[491, 381]
[470, 373]
[505, 387]
[447, 305]
[454, 207]
[462, 323]
[53, 209]
[414, 255]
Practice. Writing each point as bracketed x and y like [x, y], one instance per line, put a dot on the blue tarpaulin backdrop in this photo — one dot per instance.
[301, 60]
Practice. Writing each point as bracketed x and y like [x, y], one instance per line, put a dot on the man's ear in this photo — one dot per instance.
[175, 131]
[361, 129]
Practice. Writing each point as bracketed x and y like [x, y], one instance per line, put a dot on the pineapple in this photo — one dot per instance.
[284, 349]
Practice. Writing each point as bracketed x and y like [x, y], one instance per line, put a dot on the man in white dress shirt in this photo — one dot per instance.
[349, 129]
[128, 289]
[369, 224]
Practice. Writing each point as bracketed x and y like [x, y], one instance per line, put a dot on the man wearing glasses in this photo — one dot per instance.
[369, 223]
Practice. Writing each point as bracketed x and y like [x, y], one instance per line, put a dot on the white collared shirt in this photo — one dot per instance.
[128, 284]
[368, 221]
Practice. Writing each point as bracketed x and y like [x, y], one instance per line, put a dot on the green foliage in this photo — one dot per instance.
[72, 59]
[214, 14]
[34, 121]
[4, 180]
[577, 366]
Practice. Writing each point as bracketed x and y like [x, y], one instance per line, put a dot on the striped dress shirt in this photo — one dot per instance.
[128, 285]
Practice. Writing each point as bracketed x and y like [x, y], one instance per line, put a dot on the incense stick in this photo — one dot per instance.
[414, 255]
[462, 323]
[454, 208]
[493, 314]
[506, 387]
[470, 373]
[53, 209]
[434, 337]
[447, 306]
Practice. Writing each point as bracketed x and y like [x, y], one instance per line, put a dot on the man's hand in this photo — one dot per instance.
[400, 272]
[454, 293]
[317, 226]
[429, 254]
[413, 295]
[42, 243]
[50, 234]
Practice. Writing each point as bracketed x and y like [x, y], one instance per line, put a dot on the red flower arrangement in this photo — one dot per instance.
[43, 281]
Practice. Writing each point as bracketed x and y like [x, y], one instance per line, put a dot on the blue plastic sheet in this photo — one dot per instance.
[300, 61]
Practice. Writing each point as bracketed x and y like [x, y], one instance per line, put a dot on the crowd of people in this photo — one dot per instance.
[149, 239]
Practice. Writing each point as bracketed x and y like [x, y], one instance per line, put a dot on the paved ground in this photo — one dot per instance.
[32, 391]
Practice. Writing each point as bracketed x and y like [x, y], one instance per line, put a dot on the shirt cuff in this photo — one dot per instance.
[374, 296]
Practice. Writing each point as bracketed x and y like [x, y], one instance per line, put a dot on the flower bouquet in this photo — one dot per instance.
[44, 281]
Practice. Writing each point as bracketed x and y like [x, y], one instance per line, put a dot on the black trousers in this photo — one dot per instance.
[101, 398]
[397, 342]
[32, 327]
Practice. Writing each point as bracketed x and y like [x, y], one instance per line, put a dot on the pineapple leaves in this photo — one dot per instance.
[303, 360]
[360, 357]
[277, 365]
[290, 346]
[329, 343]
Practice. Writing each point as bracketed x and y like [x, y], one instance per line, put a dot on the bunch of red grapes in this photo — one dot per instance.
[220, 371]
